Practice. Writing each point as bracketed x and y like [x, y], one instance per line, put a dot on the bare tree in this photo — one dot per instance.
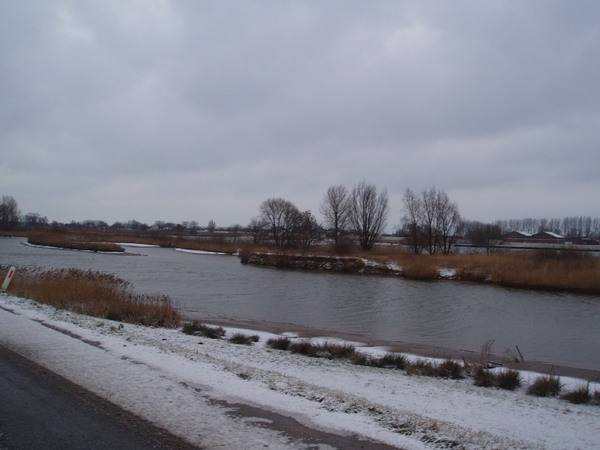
[368, 213]
[412, 221]
[448, 222]
[281, 216]
[212, 226]
[485, 235]
[9, 213]
[258, 229]
[235, 230]
[307, 230]
[431, 221]
[334, 208]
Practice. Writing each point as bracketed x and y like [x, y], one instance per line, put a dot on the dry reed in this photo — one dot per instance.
[94, 294]
[72, 242]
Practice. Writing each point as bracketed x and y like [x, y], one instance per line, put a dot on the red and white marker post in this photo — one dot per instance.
[9, 276]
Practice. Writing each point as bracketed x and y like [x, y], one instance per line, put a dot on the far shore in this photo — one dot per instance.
[423, 350]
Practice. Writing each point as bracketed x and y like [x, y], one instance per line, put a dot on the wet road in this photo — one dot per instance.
[41, 410]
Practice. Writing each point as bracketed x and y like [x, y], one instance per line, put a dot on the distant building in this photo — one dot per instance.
[543, 237]
[585, 241]
[516, 236]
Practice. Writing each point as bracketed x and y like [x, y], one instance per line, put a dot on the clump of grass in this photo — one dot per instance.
[578, 395]
[596, 398]
[508, 379]
[545, 386]
[390, 360]
[326, 350]
[484, 377]
[244, 339]
[423, 368]
[338, 351]
[95, 294]
[280, 343]
[450, 369]
[305, 347]
[196, 328]
[360, 359]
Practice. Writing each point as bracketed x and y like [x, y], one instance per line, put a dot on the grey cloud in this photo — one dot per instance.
[284, 99]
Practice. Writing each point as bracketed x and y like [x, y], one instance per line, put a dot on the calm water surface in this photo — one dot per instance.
[555, 328]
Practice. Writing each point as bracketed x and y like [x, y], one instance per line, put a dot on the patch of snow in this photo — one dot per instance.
[171, 379]
[198, 252]
[447, 273]
[133, 244]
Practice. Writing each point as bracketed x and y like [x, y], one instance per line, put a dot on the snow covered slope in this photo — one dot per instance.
[184, 384]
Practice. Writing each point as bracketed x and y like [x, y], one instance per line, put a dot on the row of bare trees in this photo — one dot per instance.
[569, 227]
[362, 212]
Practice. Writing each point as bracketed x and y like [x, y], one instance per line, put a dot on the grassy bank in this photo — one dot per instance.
[72, 242]
[93, 293]
[108, 240]
[551, 270]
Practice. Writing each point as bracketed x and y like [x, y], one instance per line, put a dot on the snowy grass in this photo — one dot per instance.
[164, 375]
[197, 328]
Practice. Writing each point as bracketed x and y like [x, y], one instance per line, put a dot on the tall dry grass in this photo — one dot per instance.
[72, 241]
[93, 293]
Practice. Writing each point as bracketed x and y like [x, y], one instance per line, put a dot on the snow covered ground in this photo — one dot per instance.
[185, 384]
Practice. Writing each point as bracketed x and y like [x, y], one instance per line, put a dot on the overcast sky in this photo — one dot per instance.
[197, 110]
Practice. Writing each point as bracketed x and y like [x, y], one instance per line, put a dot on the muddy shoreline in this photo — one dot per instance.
[398, 346]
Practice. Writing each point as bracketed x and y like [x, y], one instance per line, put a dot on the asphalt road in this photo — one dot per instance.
[41, 410]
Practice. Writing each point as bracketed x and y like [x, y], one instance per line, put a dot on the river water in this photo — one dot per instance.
[555, 328]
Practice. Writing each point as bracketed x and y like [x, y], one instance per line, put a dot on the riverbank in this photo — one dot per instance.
[416, 349]
[544, 270]
[194, 387]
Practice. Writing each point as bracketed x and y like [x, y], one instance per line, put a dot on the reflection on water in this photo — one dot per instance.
[550, 327]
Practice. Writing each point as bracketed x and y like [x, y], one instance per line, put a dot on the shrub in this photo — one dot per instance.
[360, 359]
[338, 351]
[596, 398]
[545, 386]
[305, 347]
[450, 369]
[244, 339]
[484, 377]
[508, 379]
[390, 360]
[280, 343]
[578, 395]
[423, 368]
[197, 328]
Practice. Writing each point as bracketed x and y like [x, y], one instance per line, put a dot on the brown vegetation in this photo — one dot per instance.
[95, 294]
[106, 240]
[72, 241]
[558, 270]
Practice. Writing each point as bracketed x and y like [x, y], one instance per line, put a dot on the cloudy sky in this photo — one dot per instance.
[195, 110]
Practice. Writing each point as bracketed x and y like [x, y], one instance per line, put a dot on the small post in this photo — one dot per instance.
[522, 360]
[9, 276]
